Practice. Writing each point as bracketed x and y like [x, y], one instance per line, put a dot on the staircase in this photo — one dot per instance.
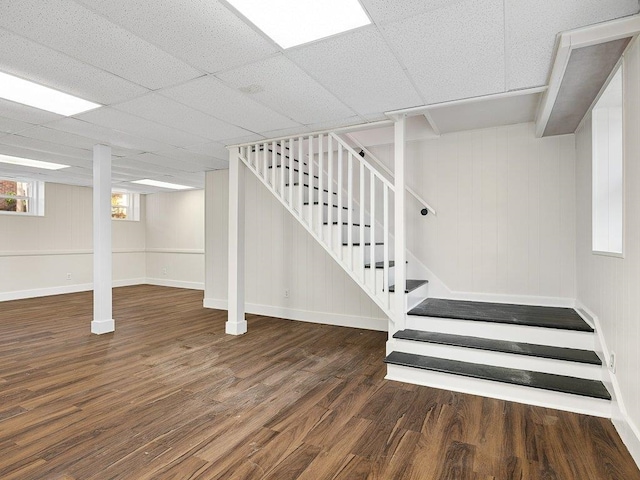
[528, 354]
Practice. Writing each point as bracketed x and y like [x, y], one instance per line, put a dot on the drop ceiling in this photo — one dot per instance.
[180, 79]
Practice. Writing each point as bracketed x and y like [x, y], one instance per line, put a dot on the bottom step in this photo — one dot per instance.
[546, 381]
[402, 368]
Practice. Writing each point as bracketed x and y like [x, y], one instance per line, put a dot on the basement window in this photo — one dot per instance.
[125, 206]
[608, 169]
[21, 197]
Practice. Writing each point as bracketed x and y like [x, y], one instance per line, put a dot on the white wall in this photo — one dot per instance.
[37, 253]
[280, 255]
[175, 239]
[506, 212]
[609, 287]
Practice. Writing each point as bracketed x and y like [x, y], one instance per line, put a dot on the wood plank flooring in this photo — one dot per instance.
[170, 396]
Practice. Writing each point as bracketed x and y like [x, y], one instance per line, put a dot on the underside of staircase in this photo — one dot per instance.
[529, 354]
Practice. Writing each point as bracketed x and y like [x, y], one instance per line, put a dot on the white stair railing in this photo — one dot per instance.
[339, 198]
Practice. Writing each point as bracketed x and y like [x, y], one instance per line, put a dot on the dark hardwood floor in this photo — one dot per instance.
[169, 395]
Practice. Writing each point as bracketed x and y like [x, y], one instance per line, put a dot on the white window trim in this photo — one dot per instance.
[37, 199]
[133, 206]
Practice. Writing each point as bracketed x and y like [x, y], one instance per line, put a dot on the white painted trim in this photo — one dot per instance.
[182, 251]
[49, 253]
[627, 429]
[100, 327]
[424, 109]
[61, 290]
[165, 282]
[325, 318]
[502, 391]
[349, 128]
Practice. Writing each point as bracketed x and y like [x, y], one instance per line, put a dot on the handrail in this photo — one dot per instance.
[390, 173]
[363, 160]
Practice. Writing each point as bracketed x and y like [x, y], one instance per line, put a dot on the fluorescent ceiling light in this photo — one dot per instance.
[27, 162]
[45, 98]
[294, 22]
[155, 183]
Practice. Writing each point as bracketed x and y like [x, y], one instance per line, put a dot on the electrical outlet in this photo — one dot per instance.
[612, 362]
[164, 271]
[286, 293]
[68, 276]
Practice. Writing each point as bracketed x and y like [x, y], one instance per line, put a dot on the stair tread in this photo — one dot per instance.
[518, 348]
[392, 264]
[307, 186]
[411, 285]
[357, 244]
[325, 204]
[527, 378]
[347, 223]
[295, 170]
[535, 316]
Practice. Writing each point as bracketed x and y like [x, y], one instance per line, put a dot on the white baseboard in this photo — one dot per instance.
[62, 289]
[365, 323]
[165, 282]
[627, 429]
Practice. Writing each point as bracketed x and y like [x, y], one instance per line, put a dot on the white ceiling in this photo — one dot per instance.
[180, 79]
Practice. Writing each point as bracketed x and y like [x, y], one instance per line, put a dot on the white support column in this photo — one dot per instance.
[103, 321]
[400, 270]
[236, 322]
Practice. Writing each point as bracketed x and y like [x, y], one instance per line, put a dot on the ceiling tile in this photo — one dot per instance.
[72, 140]
[532, 26]
[385, 11]
[106, 135]
[453, 52]
[14, 149]
[360, 69]
[168, 112]
[137, 126]
[204, 33]
[278, 83]
[23, 113]
[8, 125]
[76, 31]
[31, 143]
[210, 95]
[213, 149]
[42, 65]
[203, 162]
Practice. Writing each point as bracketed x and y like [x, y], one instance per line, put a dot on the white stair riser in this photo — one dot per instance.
[306, 195]
[416, 296]
[357, 252]
[504, 391]
[499, 331]
[499, 359]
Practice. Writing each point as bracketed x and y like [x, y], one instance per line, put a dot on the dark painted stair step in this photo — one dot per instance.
[325, 204]
[392, 264]
[543, 351]
[357, 244]
[347, 223]
[534, 316]
[527, 378]
[307, 186]
[411, 286]
[295, 170]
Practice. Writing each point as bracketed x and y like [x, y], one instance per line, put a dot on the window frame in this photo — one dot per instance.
[596, 167]
[35, 200]
[132, 206]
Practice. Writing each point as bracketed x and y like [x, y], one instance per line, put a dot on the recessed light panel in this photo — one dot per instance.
[27, 162]
[294, 22]
[156, 183]
[45, 98]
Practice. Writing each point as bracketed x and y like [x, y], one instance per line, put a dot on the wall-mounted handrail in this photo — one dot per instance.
[390, 173]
